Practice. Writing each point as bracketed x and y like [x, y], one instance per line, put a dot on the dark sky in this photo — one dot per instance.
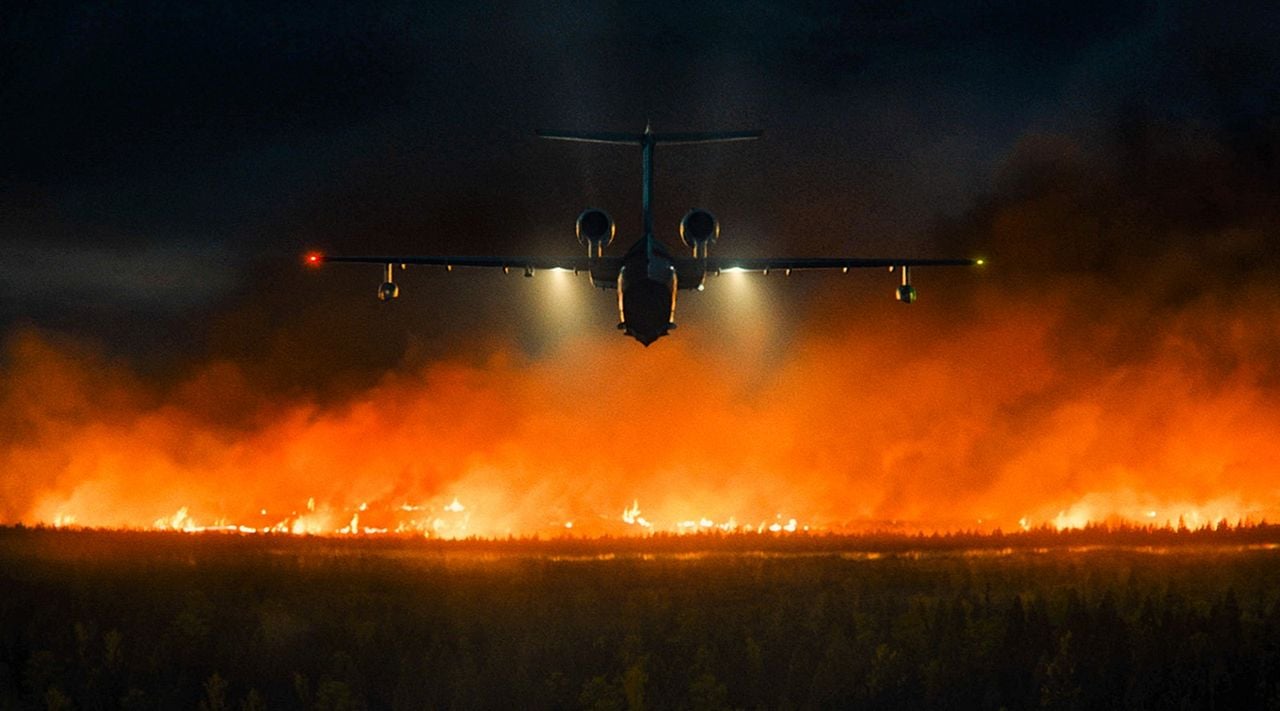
[165, 165]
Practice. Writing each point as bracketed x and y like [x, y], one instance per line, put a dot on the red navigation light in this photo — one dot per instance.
[314, 259]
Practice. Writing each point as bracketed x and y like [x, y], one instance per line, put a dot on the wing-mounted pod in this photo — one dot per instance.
[698, 230]
[906, 293]
[388, 290]
[595, 230]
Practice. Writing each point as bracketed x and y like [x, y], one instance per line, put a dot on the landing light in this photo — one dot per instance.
[980, 262]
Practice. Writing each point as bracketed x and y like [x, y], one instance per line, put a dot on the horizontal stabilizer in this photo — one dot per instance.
[712, 137]
[638, 139]
[620, 139]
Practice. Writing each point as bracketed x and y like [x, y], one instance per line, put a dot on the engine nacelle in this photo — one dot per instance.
[698, 229]
[595, 230]
[906, 293]
[388, 291]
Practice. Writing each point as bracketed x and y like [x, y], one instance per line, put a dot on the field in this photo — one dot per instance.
[1152, 620]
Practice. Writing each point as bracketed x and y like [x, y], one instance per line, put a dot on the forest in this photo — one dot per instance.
[144, 620]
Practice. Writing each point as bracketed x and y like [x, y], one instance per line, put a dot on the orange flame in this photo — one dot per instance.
[990, 422]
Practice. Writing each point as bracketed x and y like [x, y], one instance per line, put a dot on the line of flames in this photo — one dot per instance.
[455, 520]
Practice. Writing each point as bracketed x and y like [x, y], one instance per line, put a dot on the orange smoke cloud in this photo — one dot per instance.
[983, 414]
[1116, 360]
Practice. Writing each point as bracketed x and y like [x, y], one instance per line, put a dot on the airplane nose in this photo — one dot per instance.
[646, 337]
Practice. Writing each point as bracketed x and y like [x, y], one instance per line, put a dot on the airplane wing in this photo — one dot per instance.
[720, 264]
[501, 262]
[607, 267]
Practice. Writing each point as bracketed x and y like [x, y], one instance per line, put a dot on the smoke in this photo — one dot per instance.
[1116, 358]
[1005, 396]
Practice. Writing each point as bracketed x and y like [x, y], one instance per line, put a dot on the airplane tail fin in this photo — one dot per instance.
[646, 142]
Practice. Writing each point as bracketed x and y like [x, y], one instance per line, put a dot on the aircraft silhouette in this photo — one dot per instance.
[647, 277]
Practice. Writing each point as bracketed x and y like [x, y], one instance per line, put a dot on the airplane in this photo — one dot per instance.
[648, 276]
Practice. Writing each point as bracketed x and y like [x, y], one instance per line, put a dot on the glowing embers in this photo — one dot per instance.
[706, 525]
[177, 522]
[1128, 508]
[632, 516]
[449, 518]
[181, 521]
[310, 522]
[454, 520]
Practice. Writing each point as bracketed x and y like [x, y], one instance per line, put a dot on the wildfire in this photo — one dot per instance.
[436, 521]
[992, 429]
[454, 520]
[1117, 363]
[631, 516]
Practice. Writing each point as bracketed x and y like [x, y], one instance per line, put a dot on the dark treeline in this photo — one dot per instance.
[93, 620]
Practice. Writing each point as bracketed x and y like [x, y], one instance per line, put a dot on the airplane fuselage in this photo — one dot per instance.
[650, 276]
[647, 285]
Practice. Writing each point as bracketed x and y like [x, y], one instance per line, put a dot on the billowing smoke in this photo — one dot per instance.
[1112, 361]
[1116, 359]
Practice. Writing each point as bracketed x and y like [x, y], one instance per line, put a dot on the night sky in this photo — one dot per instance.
[165, 165]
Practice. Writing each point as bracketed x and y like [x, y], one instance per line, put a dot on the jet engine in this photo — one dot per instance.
[595, 230]
[698, 229]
